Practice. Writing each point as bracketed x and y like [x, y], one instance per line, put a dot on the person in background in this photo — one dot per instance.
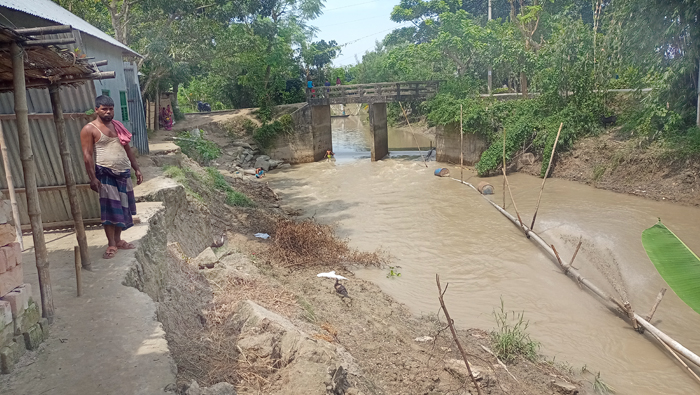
[108, 161]
[337, 81]
[310, 87]
[329, 155]
[259, 172]
[327, 84]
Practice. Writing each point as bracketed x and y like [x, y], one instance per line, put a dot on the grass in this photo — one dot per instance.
[233, 197]
[511, 340]
[600, 387]
[198, 148]
[598, 172]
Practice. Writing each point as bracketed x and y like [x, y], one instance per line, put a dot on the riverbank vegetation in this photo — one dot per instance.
[567, 55]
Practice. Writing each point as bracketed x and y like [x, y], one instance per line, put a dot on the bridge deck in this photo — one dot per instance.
[372, 93]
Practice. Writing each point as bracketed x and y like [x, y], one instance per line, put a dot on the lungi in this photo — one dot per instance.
[117, 202]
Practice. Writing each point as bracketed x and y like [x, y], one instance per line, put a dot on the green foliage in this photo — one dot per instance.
[675, 262]
[184, 176]
[266, 134]
[511, 340]
[201, 150]
[601, 387]
[393, 272]
[598, 171]
[233, 198]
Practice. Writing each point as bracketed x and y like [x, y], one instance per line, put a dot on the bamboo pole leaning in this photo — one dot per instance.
[546, 174]
[11, 187]
[461, 146]
[450, 324]
[29, 168]
[572, 272]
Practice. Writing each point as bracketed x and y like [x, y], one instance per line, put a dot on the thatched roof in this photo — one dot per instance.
[44, 64]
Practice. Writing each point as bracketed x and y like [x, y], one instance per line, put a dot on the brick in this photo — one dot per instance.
[33, 337]
[11, 255]
[18, 301]
[5, 314]
[7, 234]
[44, 324]
[18, 346]
[10, 280]
[7, 360]
[28, 292]
[6, 213]
[7, 334]
[27, 319]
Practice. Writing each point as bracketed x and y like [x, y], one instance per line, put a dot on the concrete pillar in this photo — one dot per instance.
[379, 131]
[321, 128]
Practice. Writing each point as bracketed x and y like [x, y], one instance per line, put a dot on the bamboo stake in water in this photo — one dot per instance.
[461, 146]
[546, 173]
[11, 187]
[504, 167]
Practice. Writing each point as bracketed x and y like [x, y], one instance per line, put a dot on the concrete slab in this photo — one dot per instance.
[105, 342]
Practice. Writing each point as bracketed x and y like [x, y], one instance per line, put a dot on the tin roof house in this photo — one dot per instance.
[76, 99]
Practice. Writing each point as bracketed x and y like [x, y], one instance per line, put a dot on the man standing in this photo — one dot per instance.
[110, 172]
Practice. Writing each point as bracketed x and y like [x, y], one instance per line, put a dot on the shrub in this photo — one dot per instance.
[511, 340]
[201, 150]
[266, 134]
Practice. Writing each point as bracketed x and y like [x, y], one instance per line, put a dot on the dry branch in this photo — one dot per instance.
[450, 323]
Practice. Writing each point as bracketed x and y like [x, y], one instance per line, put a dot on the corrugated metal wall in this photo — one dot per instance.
[54, 203]
[136, 110]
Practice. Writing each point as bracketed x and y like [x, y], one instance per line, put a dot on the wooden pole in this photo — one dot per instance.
[504, 168]
[29, 169]
[678, 358]
[679, 348]
[461, 146]
[515, 206]
[546, 173]
[450, 323]
[656, 304]
[11, 187]
[54, 93]
[78, 278]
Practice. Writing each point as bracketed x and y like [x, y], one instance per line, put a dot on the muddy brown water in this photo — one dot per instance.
[436, 225]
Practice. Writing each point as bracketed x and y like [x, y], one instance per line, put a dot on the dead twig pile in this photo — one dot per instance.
[307, 243]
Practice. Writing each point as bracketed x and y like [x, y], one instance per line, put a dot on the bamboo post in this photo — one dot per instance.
[546, 173]
[11, 187]
[461, 146]
[450, 323]
[504, 168]
[515, 206]
[29, 169]
[78, 277]
[678, 358]
[580, 241]
[676, 346]
[54, 92]
[656, 304]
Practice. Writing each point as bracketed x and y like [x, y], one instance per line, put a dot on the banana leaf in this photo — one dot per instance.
[675, 262]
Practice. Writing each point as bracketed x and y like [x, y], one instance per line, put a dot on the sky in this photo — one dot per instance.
[357, 23]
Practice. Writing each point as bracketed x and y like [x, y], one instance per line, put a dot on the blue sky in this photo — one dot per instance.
[357, 23]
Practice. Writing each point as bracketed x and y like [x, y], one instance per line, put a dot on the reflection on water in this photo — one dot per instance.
[435, 225]
[352, 139]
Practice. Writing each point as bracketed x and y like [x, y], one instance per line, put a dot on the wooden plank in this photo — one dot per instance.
[69, 115]
[48, 188]
[69, 224]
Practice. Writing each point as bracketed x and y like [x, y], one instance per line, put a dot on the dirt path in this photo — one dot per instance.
[103, 342]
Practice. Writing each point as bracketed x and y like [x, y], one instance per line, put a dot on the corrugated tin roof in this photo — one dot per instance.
[51, 11]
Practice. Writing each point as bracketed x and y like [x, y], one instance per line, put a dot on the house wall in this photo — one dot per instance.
[55, 207]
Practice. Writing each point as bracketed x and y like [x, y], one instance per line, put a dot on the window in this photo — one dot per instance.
[124, 106]
[105, 92]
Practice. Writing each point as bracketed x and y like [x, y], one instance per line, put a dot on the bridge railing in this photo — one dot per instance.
[372, 93]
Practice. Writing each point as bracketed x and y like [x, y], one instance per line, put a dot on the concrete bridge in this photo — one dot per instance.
[376, 95]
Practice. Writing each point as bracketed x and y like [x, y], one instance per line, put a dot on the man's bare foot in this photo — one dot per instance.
[124, 245]
[110, 252]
